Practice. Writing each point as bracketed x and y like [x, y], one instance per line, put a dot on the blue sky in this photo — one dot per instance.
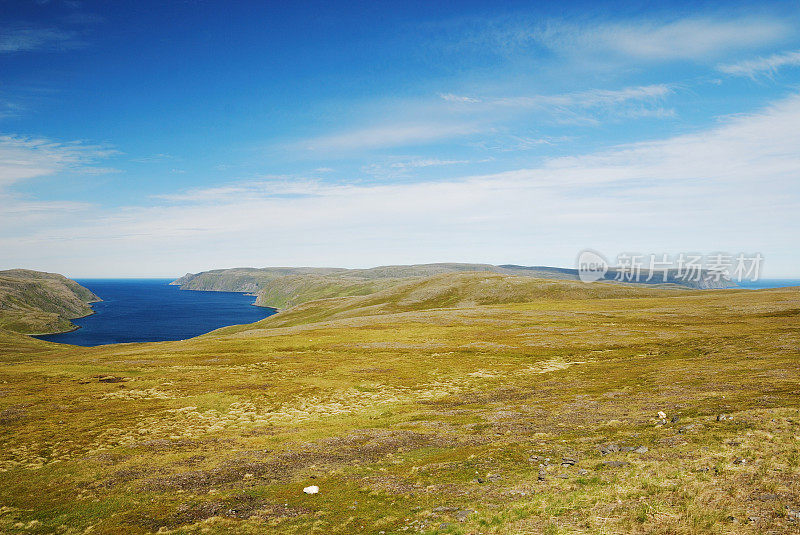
[156, 138]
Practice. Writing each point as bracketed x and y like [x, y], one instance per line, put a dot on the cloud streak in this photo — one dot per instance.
[24, 39]
[712, 190]
[398, 135]
[767, 66]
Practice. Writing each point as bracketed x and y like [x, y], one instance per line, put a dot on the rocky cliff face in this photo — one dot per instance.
[35, 302]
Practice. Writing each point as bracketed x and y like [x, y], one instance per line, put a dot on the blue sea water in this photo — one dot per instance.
[768, 283]
[150, 310]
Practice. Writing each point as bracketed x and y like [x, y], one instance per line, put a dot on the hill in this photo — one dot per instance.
[34, 302]
[286, 287]
[473, 402]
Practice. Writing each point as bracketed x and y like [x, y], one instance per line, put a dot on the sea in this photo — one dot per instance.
[150, 310]
[767, 283]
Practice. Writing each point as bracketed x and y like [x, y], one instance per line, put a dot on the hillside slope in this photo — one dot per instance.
[286, 287]
[460, 403]
[447, 290]
[34, 302]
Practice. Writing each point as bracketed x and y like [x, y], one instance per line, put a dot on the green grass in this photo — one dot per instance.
[413, 403]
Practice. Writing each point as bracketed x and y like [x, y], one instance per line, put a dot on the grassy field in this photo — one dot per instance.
[461, 403]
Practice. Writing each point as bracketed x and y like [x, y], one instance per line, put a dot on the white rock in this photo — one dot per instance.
[313, 489]
[662, 414]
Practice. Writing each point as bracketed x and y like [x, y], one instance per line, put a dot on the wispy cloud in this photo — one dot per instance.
[23, 158]
[398, 135]
[767, 66]
[732, 181]
[581, 99]
[650, 39]
[25, 39]
[450, 97]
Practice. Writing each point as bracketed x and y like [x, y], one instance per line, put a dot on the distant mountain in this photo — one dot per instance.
[35, 302]
[283, 287]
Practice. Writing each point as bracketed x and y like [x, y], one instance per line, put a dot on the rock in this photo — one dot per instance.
[740, 460]
[582, 472]
[479, 480]
[627, 449]
[616, 464]
[675, 419]
[563, 476]
[494, 478]
[462, 515]
[641, 449]
[542, 473]
[686, 428]
[444, 509]
[768, 497]
[662, 415]
[609, 448]
[721, 417]
[793, 513]
[568, 461]
[313, 489]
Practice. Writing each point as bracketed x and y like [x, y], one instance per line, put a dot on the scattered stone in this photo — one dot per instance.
[494, 478]
[722, 417]
[110, 379]
[752, 519]
[462, 515]
[479, 480]
[768, 497]
[616, 464]
[568, 461]
[740, 460]
[542, 473]
[444, 509]
[641, 449]
[563, 476]
[675, 419]
[582, 472]
[627, 449]
[534, 459]
[313, 489]
[609, 448]
[686, 428]
[793, 513]
[662, 415]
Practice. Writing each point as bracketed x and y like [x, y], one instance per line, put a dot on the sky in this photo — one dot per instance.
[151, 139]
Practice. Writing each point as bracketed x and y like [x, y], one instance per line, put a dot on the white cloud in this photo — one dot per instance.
[23, 158]
[426, 162]
[450, 97]
[587, 99]
[21, 39]
[762, 66]
[689, 38]
[398, 135]
[684, 39]
[733, 187]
